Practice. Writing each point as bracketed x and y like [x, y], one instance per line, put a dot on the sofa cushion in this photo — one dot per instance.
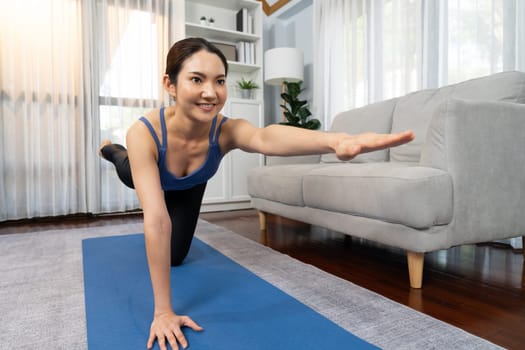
[403, 193]
[376, 117]
[415, 110]
[281, 183]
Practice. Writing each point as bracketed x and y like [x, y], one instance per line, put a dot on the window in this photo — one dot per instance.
[129, 66]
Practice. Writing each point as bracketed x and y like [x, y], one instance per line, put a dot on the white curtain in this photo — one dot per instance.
[131, 64]
[371, 50]
[74, 72]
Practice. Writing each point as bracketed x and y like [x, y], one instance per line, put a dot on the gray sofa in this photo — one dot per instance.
[462, 179]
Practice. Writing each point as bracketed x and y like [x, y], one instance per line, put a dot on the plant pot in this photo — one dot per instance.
[247, 94]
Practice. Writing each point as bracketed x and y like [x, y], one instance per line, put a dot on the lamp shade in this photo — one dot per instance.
[283, 64]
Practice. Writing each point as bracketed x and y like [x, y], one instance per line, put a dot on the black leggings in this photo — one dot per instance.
[183, 205]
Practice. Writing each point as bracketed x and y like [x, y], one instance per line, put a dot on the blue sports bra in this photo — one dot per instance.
[202, 174]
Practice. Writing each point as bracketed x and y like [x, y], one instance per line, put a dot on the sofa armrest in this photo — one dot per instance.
[482, 146]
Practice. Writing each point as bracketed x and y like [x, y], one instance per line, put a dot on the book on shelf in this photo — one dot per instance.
[229, 51]
[246, 52]
[240, 51]
[252, 53]
[242, 20]
[250, 24]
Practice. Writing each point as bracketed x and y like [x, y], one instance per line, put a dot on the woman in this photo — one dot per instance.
[173, 151]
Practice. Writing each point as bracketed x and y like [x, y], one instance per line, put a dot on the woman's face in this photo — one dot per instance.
[201, 86]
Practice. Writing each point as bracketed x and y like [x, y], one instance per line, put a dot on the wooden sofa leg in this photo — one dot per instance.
[415, 269]
[263, 238]
[523, 246]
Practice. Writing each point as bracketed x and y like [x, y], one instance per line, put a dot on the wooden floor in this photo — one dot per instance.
[479, 288]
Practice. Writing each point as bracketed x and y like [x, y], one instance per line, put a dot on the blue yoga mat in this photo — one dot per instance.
[237, 309]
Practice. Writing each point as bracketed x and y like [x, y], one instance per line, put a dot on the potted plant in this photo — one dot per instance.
[296, 111]
[203, 20]
[247, 87]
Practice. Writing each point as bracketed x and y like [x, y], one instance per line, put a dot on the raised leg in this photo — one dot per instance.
[118, 155]
[415, 268]
[262, 226]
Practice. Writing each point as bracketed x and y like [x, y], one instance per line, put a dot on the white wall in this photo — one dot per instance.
[291, 26]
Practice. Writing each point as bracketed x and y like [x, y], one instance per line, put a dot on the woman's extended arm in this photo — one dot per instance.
[281, 140]
[157, 233]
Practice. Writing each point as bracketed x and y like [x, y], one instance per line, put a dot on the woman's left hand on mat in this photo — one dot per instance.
[168, 326]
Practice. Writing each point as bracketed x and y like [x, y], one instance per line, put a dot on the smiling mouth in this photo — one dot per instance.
[206, 106]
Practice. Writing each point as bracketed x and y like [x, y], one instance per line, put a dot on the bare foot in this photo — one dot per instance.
[103, 144]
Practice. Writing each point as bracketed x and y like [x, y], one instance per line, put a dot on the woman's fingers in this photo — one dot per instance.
[172, 336]
[351, 146]
[373, 142]
[170, 331]
[188, 322]
[162, 342]
[403, 137]
[180, 338]
[176, 335]
[151, 339]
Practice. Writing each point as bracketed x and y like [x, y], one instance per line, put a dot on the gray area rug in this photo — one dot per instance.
[42, 293]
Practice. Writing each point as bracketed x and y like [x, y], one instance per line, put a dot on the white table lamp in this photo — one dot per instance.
[283, 64]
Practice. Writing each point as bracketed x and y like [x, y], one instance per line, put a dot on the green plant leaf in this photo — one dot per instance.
[285, 107]
[286, 97]
[296, 110]
[313, 124]
[293, 89]
[247, 84]
[291, 118]
[301, 103]
[304, 113]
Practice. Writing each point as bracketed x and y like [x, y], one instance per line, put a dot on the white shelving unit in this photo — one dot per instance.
[218, 34]
[227, 190]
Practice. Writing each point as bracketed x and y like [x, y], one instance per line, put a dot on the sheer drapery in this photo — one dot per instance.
[371, 50]
[73, 72]
[43, 136]
[131, 66]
